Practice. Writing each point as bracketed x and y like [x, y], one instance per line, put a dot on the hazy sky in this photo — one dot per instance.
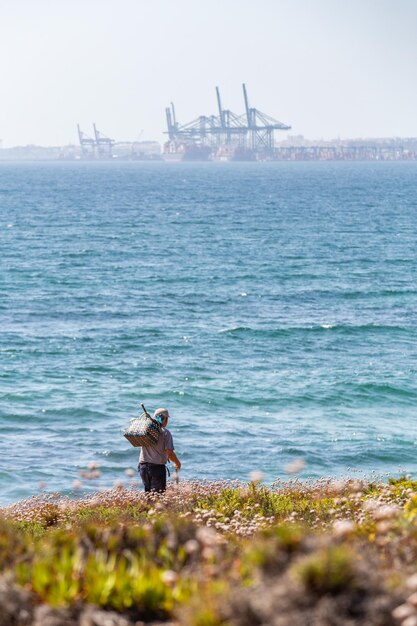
[327, 67]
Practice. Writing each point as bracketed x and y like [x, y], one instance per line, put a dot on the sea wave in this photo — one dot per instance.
[317, 329]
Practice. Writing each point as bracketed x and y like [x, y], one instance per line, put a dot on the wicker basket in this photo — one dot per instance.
[143, 431]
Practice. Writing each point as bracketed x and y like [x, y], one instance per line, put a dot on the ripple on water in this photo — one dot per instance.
[270, 307]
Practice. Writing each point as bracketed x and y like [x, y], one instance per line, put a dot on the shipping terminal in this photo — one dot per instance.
[223, 136]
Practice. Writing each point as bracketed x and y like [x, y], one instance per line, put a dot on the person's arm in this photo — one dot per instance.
[173, 457]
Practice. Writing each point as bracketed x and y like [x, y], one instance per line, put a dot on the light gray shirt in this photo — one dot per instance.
[158, 453]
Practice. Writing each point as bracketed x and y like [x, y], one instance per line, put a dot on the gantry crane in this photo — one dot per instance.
[252, 132]
[87, 143]
[99, 146]
[104, 144]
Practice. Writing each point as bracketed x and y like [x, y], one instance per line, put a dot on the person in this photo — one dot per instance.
[153, 459]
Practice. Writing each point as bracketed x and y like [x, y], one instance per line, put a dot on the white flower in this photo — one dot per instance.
[256, 476]
[386, 512]
[412, 599]
[295, 466]
[206, 536]
[412, 582]
[191, 546]
[402, 612]
[169, 577]
[343, 527]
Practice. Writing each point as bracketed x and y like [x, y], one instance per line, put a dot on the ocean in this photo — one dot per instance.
[271, 307]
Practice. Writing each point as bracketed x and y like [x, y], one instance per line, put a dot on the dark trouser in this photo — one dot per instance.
[154, 477]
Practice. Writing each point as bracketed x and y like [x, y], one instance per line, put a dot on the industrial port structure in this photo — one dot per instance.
[225, 136]
[98, 146]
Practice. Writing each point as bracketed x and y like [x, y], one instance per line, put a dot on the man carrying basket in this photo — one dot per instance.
[153, 458]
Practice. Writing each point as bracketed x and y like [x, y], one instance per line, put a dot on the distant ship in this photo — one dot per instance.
[186, 152]
[244, 154]
[197, 153]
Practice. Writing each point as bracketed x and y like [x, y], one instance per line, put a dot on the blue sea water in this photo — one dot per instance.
[272, 307]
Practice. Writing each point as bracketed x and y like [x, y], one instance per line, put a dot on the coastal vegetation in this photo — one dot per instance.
[330, 552]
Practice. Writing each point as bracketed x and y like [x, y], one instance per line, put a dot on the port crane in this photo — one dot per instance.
[261, 127]
[99, 146]
[251, 133]
[104, 144]
[87, 143]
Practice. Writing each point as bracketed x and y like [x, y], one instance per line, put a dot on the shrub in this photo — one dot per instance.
[328, 570]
